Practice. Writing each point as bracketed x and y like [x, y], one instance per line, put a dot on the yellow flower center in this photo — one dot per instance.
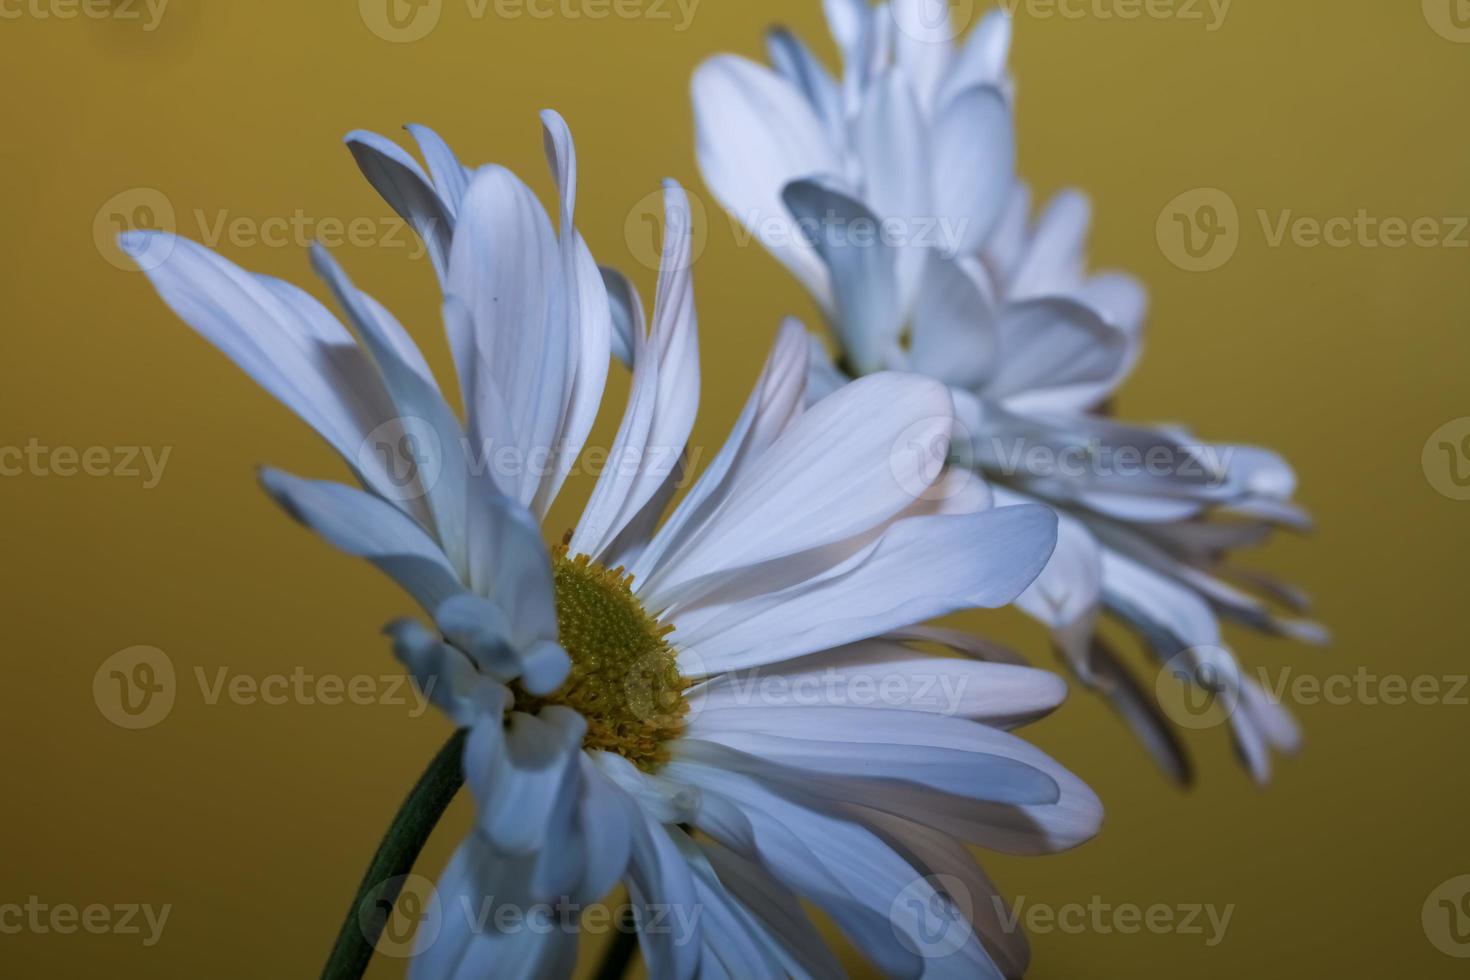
[625, 679]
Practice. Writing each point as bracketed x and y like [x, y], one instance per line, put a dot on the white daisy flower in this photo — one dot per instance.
[916, 141]
[723, 709]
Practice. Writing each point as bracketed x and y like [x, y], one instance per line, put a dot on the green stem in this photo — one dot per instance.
[411, 827]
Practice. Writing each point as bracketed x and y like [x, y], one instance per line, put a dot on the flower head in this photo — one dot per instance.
[621, 726]
[959, 283]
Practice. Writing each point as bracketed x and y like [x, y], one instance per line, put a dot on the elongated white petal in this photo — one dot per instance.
[524, 772]
[451, 178]
[506, 269]
[774, 404]
[893, 149]
[627, 314]
[955, 335]
[778, 911]
[1056, 253]
[756, 134]
[460, 937]
[974, 147]
[860, 750]
[884, 674]
[836, 864]
[794, 61]
[663, 401]
[589, 314]
[862, 267]
[981, 59]
[442, 468]
[1056, 355]
[407, 189]
[659, 878]
[945, 564]
[289, 344]
[923, 45]
[368, 527]
[800, 494]
[940, 857]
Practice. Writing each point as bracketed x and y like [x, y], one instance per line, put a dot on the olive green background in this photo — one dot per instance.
[254, 821]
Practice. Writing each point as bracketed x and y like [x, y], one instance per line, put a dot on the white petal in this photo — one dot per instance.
[796, 63]
[524, 773]
[451, 178]
[756, 134]
[368, 527]
[446, 676]
[974, 162]
[287, 342]
[1056, 355]
[506, 269]
[981, 60]
[955, 335]
[1056, 254]
[1069, 589]
[892, 146]
[589, 312]
[885, 674]
[664, 397]
[774, 404]
[777, 909]
[937, 855]
[441, 465]
[836, 864]
[406, 188]
[458, 940]
[841, 470]
[923, 44]
[945, 564]
[863, 270]
[857, 753]
[661, 884]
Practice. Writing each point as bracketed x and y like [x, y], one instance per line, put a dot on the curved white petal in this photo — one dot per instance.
[664, 397]
[774, 404]
[863, 268]
[369, 527]
[407, 189]
[946, 563]
[506, 270]
[974, 147]
[843, 468]
[756, 134]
